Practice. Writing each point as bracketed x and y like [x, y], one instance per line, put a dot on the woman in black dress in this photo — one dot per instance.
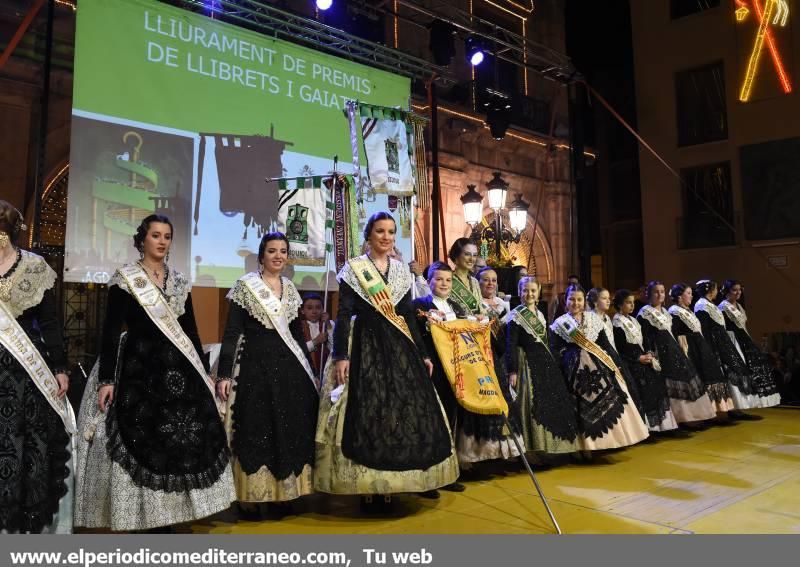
[687, 393]
[35, 418]
[272, 411]
[381, 428]
[655, 407]
[764, 386]
[546, 407]
[734, 368]
[607, 416]
[689, 332]
[152, 449]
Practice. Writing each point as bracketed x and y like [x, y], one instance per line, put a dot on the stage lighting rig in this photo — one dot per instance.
[475, 50]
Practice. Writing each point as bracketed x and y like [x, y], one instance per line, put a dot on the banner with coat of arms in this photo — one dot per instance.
[387, 136]
[304, 215]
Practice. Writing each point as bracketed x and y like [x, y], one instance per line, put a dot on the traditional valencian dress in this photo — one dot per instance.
[159, 455]
[652, 389]
[384, 431]
[547, 408]
[36, 427]
[686, 324]
[687, 393]
[272, 410]
[764, 386]
[734, 368]
[607, 416]
[485, 437]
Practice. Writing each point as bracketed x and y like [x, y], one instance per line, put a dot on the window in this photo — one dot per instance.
[700, 105]
[708, 218]
[770, 196]
[683, 8]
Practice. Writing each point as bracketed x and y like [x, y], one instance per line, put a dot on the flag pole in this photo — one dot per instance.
[328, 231]
[522, 456]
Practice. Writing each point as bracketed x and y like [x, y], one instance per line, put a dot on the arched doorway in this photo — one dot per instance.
[533, 252]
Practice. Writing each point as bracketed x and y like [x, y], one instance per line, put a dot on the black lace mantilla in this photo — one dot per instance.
[144, 477]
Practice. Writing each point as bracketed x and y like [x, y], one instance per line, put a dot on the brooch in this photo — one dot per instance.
[139, 282]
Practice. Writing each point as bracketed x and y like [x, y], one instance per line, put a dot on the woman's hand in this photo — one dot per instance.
[512, 379]
[224, 389]
[105, 396]
[342, 371]
[646, 358]
[63, 384]
[428, 365]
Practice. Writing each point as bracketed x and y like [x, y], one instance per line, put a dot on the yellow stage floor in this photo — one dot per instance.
[743, 478]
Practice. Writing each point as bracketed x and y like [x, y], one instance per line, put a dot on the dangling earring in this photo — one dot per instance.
[141, 255]
[166, 260]
[4, 240]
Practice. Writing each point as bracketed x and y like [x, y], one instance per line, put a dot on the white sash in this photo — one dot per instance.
[18, 343]
[273, 307]
[155, 305]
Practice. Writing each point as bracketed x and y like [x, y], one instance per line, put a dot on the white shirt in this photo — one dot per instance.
[445, 307]
[313, 331]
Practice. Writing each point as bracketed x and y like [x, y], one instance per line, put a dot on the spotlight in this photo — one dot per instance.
[499, 109]
[442, 43]
[324, 4]
[475, 51]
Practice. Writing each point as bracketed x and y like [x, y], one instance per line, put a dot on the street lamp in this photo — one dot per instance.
[518, 214]
[473, 206]
[496, 191]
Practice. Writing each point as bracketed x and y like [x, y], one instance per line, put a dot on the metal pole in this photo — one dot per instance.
[43, 127]
[327, 272]
[435, 193]
[521, 450]
[498, 229]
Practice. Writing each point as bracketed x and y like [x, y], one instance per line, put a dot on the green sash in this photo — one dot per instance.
[464, 296]
[528, 320]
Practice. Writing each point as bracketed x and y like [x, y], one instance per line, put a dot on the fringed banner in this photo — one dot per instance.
[465, 351]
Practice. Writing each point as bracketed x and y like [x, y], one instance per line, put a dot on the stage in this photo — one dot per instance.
[743, 478]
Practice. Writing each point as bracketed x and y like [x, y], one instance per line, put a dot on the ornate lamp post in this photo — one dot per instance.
[496, 191]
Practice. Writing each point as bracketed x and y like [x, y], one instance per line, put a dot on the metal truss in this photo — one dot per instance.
[273, 21]
[500, 42]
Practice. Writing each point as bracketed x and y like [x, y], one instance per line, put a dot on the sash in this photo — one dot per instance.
[158, 310]
[464, 348]
[464, 296]
[378, 292]
[570, 328]
[530, 323]
[19, 344]
[273, 307]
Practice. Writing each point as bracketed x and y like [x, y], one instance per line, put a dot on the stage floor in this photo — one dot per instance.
[743, 478]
